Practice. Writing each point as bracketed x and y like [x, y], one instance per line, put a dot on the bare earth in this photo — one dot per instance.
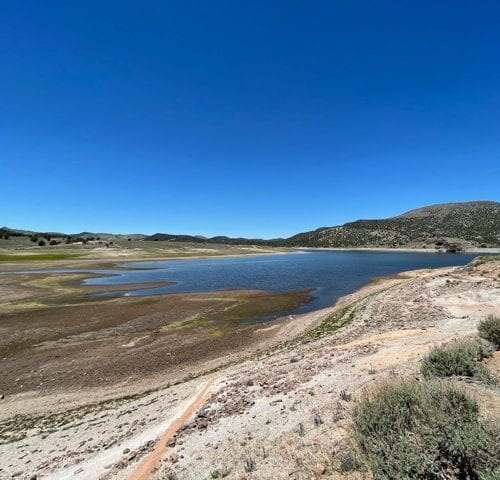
[281, 401]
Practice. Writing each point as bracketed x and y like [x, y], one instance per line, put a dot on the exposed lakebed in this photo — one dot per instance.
[213, 313]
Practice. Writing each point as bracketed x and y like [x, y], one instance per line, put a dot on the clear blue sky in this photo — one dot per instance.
[254, 118]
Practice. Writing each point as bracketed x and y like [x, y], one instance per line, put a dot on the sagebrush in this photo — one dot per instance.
[458, 358]
[489, 329]
[432, 430]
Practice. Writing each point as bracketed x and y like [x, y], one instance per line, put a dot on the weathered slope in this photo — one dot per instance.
[471, 224]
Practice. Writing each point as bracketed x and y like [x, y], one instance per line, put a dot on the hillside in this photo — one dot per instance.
[167, 237]
[450, 226]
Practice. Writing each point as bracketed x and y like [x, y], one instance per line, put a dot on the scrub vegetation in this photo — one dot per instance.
[431, 428]
[459, 358]
[489, 329]
[408, 429]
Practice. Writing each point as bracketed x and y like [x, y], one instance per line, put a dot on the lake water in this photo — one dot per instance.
[331, 274]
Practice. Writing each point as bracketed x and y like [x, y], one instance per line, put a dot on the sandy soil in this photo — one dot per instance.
[280, 412]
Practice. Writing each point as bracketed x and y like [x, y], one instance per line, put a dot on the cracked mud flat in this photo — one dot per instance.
[284, 411]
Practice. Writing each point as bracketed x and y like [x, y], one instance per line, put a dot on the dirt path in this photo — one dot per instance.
[152, 461]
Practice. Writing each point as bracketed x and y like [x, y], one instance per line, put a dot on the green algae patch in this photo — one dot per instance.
[261, 304]
[242, 306]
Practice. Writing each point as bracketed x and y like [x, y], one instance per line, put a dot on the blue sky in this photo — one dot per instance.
[254, 118]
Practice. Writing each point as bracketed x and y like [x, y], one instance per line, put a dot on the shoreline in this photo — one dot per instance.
[261, 392]
[280, 330]
[255, 340]
[116, 262]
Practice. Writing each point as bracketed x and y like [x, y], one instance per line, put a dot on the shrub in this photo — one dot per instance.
[349, 462]
[41, 243]
[462, 358]
[489, 329]
[249, 464]
[432, 430]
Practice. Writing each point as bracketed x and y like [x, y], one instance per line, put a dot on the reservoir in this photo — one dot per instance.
[330, 274]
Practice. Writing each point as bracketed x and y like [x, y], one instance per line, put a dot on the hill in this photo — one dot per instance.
[450, 226]
[167, 237]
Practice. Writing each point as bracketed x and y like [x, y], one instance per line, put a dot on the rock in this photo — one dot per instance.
[202, 424]
[174, 458]
[2, 396]
[126, 450]
[34, 476]
[320, 469]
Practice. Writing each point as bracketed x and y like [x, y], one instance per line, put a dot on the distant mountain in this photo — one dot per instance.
[167, 237]
[108, 236]
[448, 225]
[14, 232]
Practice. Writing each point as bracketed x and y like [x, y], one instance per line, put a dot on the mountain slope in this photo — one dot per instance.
[448, 226]
[167, 237]
[468, 224]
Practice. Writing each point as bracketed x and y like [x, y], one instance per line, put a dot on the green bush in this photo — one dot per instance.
[430, 430]
[489, 329]
[462, 358]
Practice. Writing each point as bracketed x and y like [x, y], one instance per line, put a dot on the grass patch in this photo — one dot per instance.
[36, 257]
[432, 430]
[459, 358]
[489, 329]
